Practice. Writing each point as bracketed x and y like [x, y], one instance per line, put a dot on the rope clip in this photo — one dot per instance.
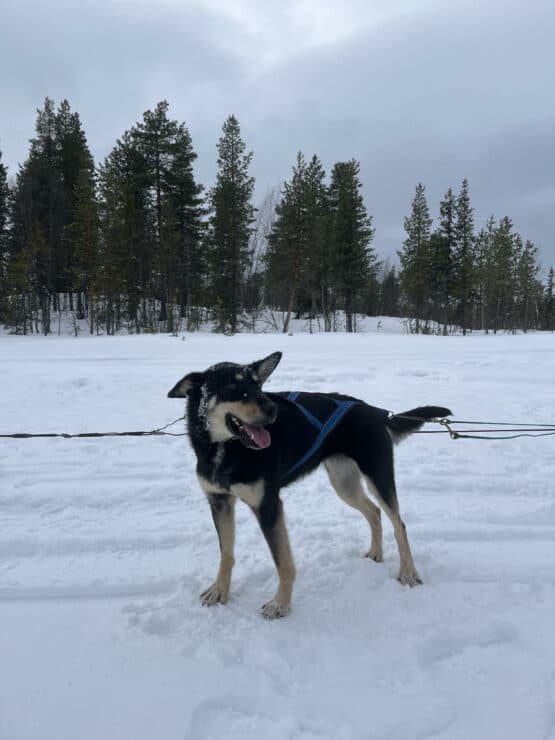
[445, 423]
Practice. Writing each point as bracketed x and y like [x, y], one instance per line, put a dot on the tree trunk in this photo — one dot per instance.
[290, 307]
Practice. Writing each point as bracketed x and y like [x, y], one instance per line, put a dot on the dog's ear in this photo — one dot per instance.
[181, 389]
[264, 368]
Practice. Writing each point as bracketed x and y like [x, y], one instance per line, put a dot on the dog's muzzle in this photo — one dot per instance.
[253, 436]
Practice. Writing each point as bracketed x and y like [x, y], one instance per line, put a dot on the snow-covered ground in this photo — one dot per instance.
[105, 545]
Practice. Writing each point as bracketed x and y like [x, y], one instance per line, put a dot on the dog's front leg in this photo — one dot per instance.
[222, 506]
[272, 522]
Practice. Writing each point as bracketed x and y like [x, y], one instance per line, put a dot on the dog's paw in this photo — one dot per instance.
[374, 554]
[274, 610]
[409, 578]
[214, 595]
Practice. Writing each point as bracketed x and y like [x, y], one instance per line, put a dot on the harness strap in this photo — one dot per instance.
[323, 429]
[292, 397]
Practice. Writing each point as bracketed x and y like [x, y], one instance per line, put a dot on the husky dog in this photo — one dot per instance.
[250, 444]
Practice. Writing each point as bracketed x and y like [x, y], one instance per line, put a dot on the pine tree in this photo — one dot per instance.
[353, 261]
[152, 223]
[230, 225]
[414, 257]
[463, 255]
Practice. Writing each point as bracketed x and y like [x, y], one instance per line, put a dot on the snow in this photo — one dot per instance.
[105, 545]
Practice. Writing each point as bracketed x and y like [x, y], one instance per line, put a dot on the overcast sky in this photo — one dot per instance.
[417, 90]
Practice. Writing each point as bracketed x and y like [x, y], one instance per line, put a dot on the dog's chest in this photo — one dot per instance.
[213, 469]
[218, 459]
[218, 470]
[220, 477]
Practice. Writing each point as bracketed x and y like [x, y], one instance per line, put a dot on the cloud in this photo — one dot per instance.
[431, 98]
[428, 91]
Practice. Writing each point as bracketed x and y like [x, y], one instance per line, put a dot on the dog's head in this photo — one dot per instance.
[229, 402]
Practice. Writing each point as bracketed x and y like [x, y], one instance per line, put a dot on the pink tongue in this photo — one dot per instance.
[260, 435]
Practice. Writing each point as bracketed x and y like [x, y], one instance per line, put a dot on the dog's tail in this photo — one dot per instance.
[401, 425]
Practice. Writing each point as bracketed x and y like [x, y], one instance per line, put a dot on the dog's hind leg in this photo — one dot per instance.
[272, 522]
[344, 475]
[222, 506]
[386, 496]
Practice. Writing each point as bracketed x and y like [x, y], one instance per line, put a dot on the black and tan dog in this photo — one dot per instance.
[237, 457]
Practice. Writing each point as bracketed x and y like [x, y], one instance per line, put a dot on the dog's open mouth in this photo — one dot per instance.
[255, 437]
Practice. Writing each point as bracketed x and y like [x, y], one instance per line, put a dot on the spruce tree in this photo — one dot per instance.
[447, 217]
[485, 272]
[44, 202]
[414, 257]
[112, 279]
[230, 225]
[42, 192]
[317, 264]
[155, 136]
[390, 291]
[74, 162]
[463, 256]
[442, 249]
[26, 312]
[184, 207]
[353, 261]
[4, 210]
[85, 235]
[529, 287]
[289, 244]
[548, 308]
[297, 260]
[502, 295]
[30, 248]
[516, 256]
[128, 233]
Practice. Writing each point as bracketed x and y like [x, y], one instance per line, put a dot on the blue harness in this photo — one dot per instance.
[323, 428]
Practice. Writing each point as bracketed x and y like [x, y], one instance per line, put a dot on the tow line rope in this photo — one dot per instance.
[153, 432]
[521, 430]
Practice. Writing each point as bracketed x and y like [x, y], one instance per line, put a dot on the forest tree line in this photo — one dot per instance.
[137, 244]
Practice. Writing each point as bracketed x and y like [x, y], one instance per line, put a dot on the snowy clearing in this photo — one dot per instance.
[105, 545]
